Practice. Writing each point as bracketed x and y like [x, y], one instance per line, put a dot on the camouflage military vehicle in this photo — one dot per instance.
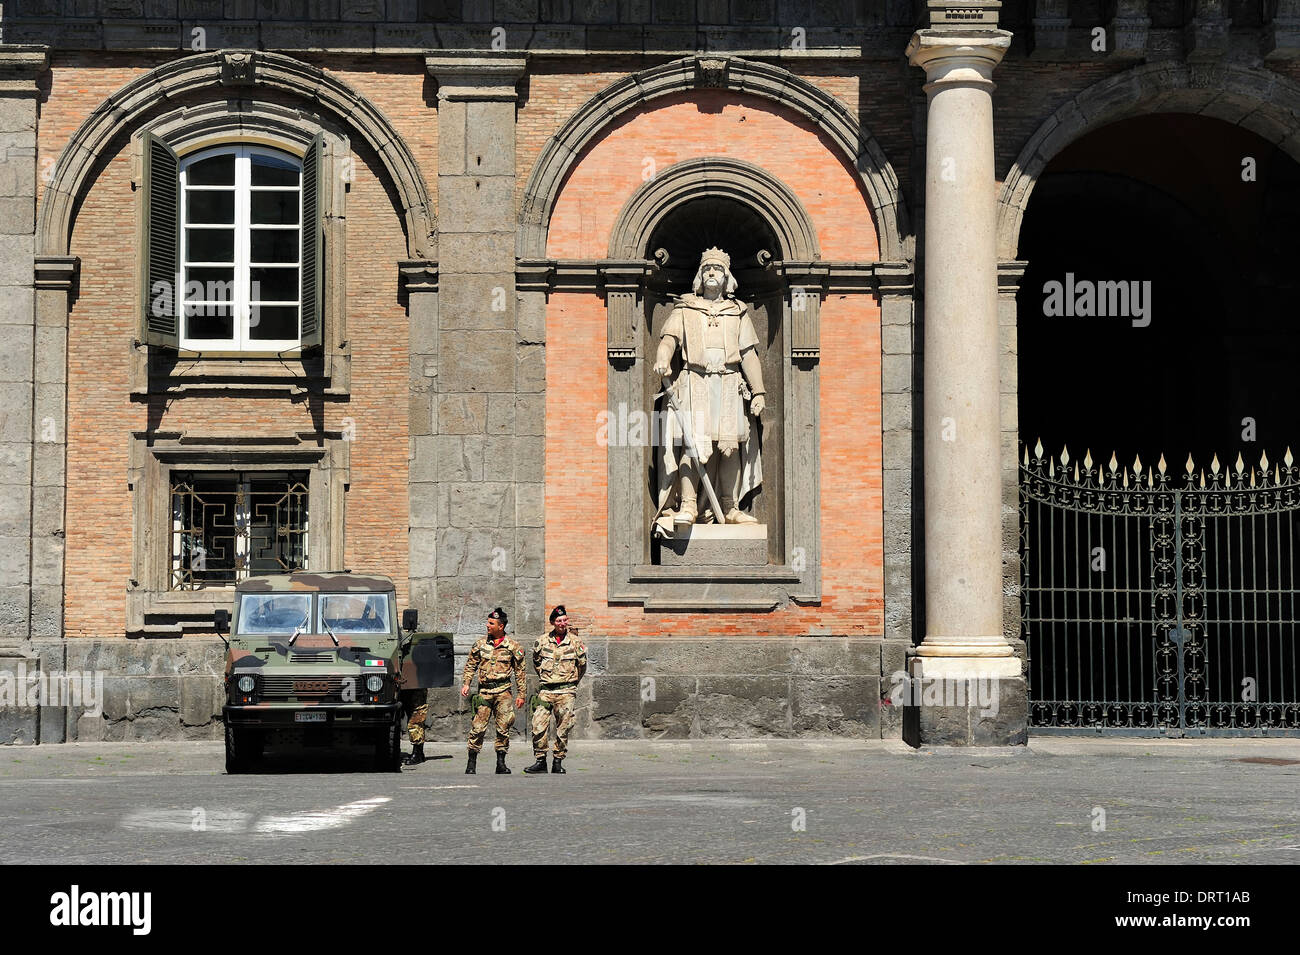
[318, 659]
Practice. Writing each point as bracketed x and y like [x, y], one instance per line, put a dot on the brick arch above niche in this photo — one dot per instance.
[718, 81]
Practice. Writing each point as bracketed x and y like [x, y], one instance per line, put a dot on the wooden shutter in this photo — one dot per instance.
[160, 324]
[313, 241]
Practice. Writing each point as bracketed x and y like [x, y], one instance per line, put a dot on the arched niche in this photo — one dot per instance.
[658, 238]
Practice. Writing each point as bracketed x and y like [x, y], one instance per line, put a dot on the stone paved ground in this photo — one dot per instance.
[1164, 801]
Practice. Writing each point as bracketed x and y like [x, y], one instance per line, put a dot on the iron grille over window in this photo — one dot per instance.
[229, 525]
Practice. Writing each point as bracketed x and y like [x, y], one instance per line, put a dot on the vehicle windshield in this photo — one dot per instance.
[355, 613]
[274, 613]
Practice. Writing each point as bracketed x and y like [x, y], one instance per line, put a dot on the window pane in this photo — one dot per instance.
[274, 171]
[275, 245]
[275, 207]
[209, 284]
[210, 321]
[355, 613]
[274, 284]
[217, 206]
[273, 323]
[274, 613]
[210, 245]
[213, 171]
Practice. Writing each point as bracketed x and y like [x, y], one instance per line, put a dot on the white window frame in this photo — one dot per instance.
[241, 301]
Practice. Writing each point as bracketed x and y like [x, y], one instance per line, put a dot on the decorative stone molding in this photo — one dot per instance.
[153, 609]
[126, 111]
[765, 80]
[19, 67]
[238, 67]
[1206, 37]
[711, 72]
[480, 76]
[1260, 100]
[1282, 35]
[1051, 28]
[1126, 34]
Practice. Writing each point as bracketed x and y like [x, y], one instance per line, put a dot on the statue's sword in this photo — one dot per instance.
[689, 440]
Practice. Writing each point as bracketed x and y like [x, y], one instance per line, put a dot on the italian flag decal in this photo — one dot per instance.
[374, 663]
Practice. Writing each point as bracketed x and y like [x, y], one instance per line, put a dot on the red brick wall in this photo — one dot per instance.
[673, 129]
[102, 326]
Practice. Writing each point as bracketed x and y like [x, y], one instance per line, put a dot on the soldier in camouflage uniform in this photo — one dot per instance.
[415, 703]
[496, 659]
[560, 660]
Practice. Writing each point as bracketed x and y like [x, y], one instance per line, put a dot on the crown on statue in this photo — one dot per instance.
[716, 256]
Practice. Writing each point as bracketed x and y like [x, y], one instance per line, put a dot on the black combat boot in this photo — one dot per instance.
[470, 769]
[539, 766]
[557, 764]
[417, 755]
[501, 764]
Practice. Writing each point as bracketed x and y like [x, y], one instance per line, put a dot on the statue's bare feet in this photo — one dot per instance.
[737, 516]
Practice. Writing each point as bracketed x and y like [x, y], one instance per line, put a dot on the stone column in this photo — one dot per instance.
[483, 453]
[963, 501]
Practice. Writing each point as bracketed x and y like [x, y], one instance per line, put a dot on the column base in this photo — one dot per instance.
[957, 707]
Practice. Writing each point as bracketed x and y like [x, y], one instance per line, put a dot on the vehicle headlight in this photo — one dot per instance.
[374, 683]
[246, 684]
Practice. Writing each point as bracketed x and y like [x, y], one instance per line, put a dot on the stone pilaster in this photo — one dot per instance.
[960, 419]
[20, 428]
[1009, 276]
[483, 455]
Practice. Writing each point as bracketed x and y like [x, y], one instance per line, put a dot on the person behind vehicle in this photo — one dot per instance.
[496, 659]
[560, 660]
[415, 706]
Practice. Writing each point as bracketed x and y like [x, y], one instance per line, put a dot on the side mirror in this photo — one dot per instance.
[410, 618]
[221, 619]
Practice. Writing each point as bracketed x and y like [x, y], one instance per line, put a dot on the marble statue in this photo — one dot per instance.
[709, 442]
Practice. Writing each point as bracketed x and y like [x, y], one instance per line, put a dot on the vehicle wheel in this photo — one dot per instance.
[236, 761]
[388, 749]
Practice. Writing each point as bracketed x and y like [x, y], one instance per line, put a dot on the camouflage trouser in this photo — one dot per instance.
[561, 710]
[415, 704]
[502, 704]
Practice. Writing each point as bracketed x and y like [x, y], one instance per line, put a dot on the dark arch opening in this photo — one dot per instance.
[699, 224]
[1161, 199]
[1154, 611]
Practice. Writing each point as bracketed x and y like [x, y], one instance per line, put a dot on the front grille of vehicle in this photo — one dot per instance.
[327, 689]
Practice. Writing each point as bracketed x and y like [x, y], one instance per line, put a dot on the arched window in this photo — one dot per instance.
[240, 250]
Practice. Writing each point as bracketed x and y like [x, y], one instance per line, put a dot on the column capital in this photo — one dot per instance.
[958, 56]
[475, 74]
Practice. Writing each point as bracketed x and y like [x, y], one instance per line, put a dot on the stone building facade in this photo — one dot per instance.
[495, 202]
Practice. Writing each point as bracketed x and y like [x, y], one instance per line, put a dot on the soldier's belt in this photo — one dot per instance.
[492, 684]
[557, 687]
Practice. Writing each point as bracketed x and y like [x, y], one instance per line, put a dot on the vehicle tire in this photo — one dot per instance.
[236, 761]
[388, 749]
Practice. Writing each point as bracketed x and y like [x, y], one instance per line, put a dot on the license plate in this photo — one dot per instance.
[309, 717]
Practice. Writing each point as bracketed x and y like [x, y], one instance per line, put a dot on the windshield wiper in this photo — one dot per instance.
[299, 629]
[329, 631]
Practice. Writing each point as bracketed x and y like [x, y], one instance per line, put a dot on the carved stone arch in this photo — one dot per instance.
[1262, 101]
[764, 80]
[231, 71]
[711, 176]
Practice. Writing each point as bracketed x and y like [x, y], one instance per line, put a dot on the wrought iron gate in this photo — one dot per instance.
[1155, 604]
